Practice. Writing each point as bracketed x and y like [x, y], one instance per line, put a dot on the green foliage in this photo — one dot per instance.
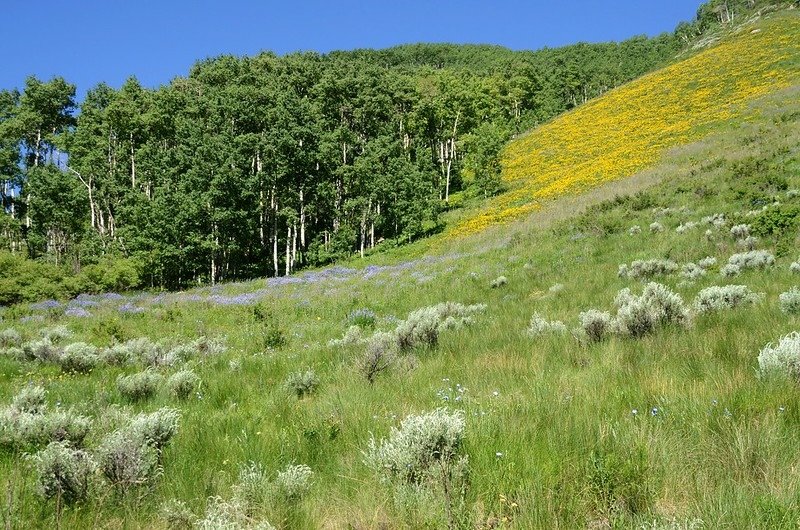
[63, 472]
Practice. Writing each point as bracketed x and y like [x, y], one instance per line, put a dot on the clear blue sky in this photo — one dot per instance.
[91, 41]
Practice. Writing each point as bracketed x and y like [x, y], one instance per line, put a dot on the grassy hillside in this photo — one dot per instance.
[630, 128]
[670, 426]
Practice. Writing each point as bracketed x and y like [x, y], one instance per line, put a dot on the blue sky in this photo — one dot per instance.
[87, 42]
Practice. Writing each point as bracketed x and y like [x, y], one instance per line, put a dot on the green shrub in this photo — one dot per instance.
[719, 298]
[293, 483]
[181, 384]
[421, 441]
[301, 384]
[138, 387]
[63, 472]
[790, 301]
[79, 357]
[782, 359]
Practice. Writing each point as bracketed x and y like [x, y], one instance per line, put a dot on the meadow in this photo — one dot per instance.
[350, 397]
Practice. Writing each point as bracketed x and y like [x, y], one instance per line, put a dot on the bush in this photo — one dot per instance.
[31, 399]
[63, 472]
[539, 326]
[145, 351]
[782, 359]
[790, 301]
[754, 259]
[10, 338]
[635, 229]
[19, 430]
[422, 326]
[352, 337]
[707, 262]
[656, 227]
[177, 515]
[647, 268]
[131, 456]
[230, 514]
[181, 384]
[253, 487]
[420, 442]
[125, 461]
[293, 483]
[301, 383]
[730, 270]
[79, 357]
[596, 324]
[156, 428]
[116, 355]
[380, 353]
[500, 281]
[795, 267]
[741, 231]
[56, 334]
[691, 271]
[362, 318]
[749, 243]
[724, 297]
[138, 387]
[657, 305]
[41, 350]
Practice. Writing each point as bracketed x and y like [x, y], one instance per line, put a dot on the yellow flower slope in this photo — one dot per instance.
[629, 128]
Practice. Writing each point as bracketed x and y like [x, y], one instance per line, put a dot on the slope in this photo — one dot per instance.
[630, 128]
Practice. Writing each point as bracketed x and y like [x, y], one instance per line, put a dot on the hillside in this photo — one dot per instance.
[630, 128]
[593, 369]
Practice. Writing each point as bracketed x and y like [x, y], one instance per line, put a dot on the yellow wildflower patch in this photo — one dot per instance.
[629, 128]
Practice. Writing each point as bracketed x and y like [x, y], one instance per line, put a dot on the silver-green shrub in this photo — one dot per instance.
[116, 355]
[707, 262]
[597, 325]
[656, 227]
[177, 515]
[352, 337]
[63, 472]
[20, 430]
[145, 351]
[79, 357]
[155, 428]
[500, 281]
[692, 271]
[749, 243]
[181, 384]
[31, 399]
[56, 334]
[782, 359]
[754, 259]
[647, 268]
[422, 326]
[130, 456]
[230, 514]
[380, 352]
[741, 231]
[657, 305]
[301, 383]
[538, 325]
[795, 267]
[293, 483]
[41, 350]
[421, 442]
[790, 301]
[126, 461]
[635, 229]
[730, 270]
[140, 386]
[723, 297]
[10, 338]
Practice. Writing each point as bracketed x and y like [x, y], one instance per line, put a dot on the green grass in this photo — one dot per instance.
[721, 451]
